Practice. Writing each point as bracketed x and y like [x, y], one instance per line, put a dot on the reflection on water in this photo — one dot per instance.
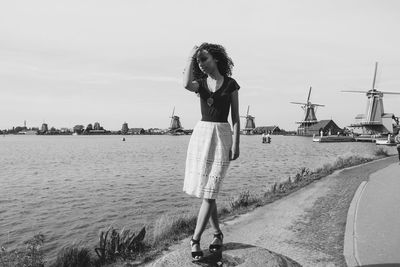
[70, 187]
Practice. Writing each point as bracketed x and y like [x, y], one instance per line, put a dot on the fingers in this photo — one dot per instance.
[194, 51]
[195, 48]
[235, 156]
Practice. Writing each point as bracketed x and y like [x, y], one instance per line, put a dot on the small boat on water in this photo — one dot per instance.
[333, 139]
[389, 141]
[384, 142]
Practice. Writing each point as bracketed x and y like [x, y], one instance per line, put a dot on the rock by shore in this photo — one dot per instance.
[234, 254]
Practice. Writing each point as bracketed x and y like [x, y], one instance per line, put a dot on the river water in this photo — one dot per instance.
[71, 187]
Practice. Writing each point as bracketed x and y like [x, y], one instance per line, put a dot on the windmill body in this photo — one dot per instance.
[374, 121]
[175, 125]
[250, 124]
[309, 118]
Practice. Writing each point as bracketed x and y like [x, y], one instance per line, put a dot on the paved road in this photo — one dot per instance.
[376, 227]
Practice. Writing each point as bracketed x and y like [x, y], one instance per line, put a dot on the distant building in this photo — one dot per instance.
[188, 131]
[268, 129]
[136, 131]
[78, 129]
[89, 127]
[384, 124]
[97, 126]
[54, 131]
[328, 127]
[28, 132]
[44, 128]
[65, 130]
[125, 128]
[97, 131]
[155, 131]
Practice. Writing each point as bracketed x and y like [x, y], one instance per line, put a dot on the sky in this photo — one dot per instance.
[79, 61]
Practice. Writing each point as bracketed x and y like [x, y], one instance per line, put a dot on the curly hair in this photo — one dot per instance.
[218, 52]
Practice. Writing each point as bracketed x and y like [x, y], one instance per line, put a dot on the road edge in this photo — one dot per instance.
[350, 245]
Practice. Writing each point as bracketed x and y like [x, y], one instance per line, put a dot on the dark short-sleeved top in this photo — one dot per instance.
[219, 110]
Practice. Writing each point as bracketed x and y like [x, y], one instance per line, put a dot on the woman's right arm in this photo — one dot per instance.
[188, 82]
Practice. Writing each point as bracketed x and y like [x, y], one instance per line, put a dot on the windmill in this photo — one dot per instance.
[375, 120]
[250, 125]
[175, 123]
[309, 114]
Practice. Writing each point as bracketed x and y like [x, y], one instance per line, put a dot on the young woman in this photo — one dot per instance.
[211, 146]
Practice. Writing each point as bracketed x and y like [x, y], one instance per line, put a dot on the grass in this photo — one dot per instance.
[74, 256]
[381, 152]
[122, 247]
[114, 244]
[244, 199]
[247, 201]
[168, 229]
[30, 256]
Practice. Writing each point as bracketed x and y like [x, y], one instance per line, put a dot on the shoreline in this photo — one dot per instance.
[307, 225]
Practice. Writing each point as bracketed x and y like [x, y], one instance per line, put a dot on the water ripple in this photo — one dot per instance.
[70, 188]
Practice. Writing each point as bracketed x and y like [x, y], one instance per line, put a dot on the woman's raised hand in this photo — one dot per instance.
[193, 51]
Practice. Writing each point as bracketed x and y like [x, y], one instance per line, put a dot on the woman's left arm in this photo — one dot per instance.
[236, 124]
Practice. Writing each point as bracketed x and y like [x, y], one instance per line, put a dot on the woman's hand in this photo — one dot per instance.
[188, 82]
[234, 153]
[193, 52]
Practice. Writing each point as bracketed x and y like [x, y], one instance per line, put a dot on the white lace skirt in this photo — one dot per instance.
[207, 159]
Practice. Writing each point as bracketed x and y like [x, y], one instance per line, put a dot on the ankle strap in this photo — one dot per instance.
[219, 235]
[194, 241]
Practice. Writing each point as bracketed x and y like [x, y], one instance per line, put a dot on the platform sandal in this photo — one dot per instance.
[196, 255]
[217, 247]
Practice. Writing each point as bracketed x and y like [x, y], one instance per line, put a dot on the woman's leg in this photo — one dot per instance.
[214, 219]
[215, 224]
[203, 217]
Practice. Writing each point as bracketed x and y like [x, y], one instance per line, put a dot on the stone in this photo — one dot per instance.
[233, 254]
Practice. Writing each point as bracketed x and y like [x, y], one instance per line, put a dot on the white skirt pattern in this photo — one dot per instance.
[207, 159]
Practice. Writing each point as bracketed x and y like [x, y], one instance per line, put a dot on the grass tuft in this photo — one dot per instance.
[122, 244]
[30, 256]
[243, 200]
[381, 152]
[168, 229]
[73, 256]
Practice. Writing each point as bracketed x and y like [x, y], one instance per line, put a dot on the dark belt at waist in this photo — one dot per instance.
[211, 119]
